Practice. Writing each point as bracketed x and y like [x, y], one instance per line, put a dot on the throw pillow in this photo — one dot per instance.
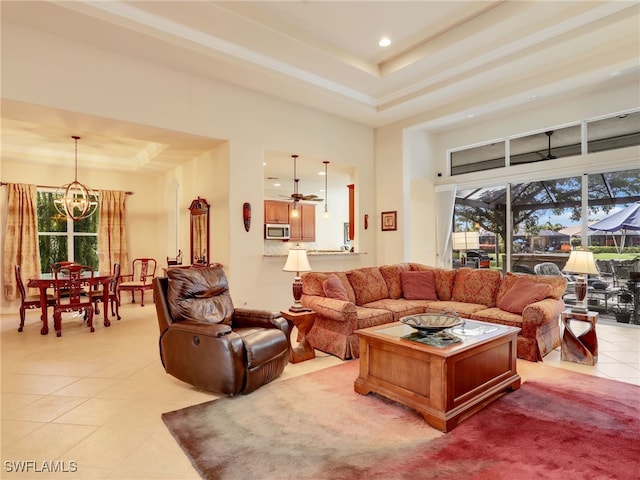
[333, 288]
[391, 275]
[368, 285]
[419, 285]
[476, 285]
[523, 292]
[199, 294]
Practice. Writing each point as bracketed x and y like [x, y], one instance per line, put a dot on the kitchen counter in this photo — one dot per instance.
[321, 253]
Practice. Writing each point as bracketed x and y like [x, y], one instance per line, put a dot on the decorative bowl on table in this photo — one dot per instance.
[432, 322]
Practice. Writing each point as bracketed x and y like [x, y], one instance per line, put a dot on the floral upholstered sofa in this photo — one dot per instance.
[347, 301]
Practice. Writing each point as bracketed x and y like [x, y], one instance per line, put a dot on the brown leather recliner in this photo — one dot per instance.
[208, 343]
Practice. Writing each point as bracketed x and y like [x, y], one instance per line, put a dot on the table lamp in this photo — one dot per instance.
[581, 262]
[297, 261]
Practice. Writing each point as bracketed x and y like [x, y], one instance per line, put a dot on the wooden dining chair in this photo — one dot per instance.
[114, 298]
[55, 266]
[70, 281]
[142, 272]
[29, 301]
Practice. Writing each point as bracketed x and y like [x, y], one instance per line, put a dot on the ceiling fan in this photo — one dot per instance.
[296, 196]
[549, 155]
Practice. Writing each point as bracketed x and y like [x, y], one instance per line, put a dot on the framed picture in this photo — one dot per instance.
[389, 221]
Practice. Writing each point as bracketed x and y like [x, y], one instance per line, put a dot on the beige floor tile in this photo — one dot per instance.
[14, 430]
[34, 384]
[86, 387]
[94, 411]
[12, 401]
[46, 409]
[50, 441]
[107, 447]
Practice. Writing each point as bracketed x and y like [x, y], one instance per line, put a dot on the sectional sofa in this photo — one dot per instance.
[347, 301]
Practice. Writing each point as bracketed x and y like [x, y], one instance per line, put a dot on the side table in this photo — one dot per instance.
[581, 348]
[303, 321]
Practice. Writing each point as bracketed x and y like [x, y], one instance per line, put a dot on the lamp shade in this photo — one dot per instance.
[297, 261]
[466, 240]
[581, 261]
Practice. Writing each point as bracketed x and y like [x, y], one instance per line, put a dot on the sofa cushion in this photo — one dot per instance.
[199, 294]
[558, 284]
[523, 292]
[398, 307]
[477, 286]
[445, 279]
[463, 309]
[312, 283]
[391, 275]
[368, 285]
[333, 288]
[419, 285]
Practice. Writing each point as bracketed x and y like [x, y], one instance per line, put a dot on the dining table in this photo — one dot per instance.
[44, 281]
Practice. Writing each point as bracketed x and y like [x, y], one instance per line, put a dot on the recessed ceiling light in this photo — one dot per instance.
[276, 185]
[533, 96]
[615, 73]
[384, 42]
[471, 115]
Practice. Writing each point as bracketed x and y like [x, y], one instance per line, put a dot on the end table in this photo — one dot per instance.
[303, 321]
[581, 348]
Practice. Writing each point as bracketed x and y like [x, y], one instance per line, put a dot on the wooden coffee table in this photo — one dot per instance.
[444, 384]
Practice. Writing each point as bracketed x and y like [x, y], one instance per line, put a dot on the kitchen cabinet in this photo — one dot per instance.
[303, 228]
[276, 212]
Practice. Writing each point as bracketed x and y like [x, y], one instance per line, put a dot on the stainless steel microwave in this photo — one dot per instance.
[276, 231]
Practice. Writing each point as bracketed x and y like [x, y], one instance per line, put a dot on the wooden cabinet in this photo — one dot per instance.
[303, 228]
[276, 212]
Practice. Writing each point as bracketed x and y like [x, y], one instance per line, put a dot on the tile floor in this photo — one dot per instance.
[92, 401]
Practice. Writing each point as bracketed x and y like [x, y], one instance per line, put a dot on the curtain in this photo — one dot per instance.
[21, 237]
[112, 232]
[445, 203]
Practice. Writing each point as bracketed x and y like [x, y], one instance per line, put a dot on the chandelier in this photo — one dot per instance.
[74, 199]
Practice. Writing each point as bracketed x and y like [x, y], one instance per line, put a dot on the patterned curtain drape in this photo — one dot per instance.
[21, 238]
[112, 232]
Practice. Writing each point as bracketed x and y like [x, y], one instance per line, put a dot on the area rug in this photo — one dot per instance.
[558, 425]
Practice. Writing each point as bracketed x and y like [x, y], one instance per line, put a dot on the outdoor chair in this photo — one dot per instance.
[550, 268]
[29, 301]
[142, 272]
[70, 281]
[206, 342]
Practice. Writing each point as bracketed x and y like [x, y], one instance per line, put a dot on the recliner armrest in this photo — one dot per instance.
[201, 328]
[249, 317]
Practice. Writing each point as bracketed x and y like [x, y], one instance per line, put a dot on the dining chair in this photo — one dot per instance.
[70, 294]
[29, 301]
[55, 266]
[142, 272]
[114, 299]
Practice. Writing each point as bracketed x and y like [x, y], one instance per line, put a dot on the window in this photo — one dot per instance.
[546, 216]
[617, 131]
[60, 238]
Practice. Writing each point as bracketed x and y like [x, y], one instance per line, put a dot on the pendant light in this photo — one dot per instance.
[326, 192]
[75, 200]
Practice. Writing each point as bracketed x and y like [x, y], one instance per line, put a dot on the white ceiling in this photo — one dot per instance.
[447, 60]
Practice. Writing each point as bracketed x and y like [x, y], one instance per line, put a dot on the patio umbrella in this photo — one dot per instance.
[626, 219]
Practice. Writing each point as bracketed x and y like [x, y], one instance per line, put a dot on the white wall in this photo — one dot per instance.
[58, 73]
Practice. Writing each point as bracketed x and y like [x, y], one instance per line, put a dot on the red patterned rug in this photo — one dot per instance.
[558, 425]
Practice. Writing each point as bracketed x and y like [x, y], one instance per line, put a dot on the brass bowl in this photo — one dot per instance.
[432, 322]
